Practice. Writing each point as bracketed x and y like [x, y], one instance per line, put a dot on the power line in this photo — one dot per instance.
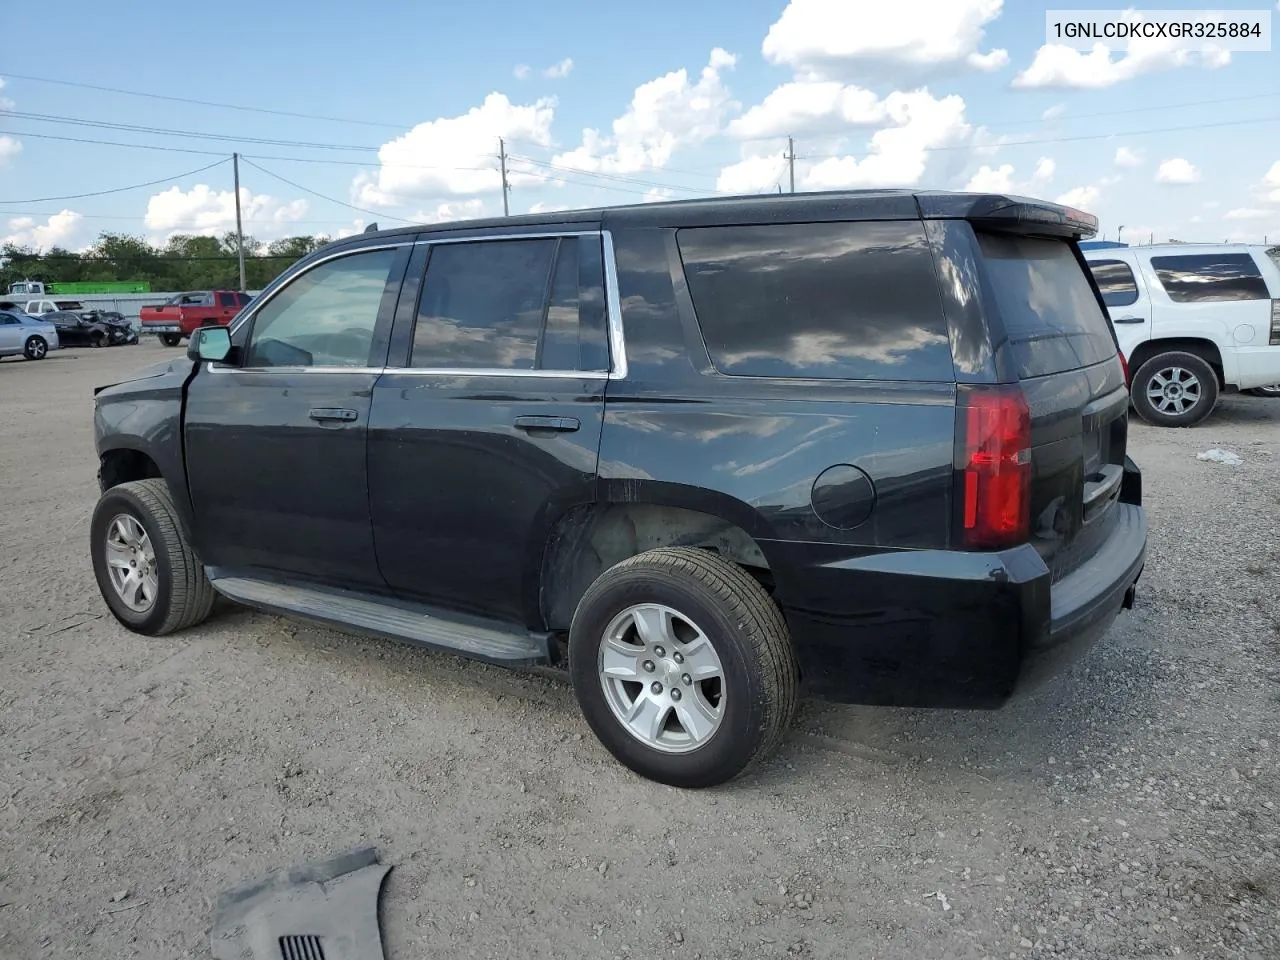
[134, 186]
[203, 103]
[298, 186]
[604, 176]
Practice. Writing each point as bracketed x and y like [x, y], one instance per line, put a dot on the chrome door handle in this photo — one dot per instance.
[1130, 320]
[559, 424]
[332, 414]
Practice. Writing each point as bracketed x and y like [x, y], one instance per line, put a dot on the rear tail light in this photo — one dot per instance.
[1124, 365]
[1275, 322]
[993, 475]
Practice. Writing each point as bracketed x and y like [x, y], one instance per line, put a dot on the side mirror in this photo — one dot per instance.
[210, 345]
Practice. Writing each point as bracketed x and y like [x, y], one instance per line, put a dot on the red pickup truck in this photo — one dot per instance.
[182, 315]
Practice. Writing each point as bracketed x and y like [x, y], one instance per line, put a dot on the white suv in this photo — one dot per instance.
[1192, 319]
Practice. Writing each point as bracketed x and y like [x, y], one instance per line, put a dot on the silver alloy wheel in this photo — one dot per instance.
[131, 563]
[37, 348]
[662, 678]
[1270, 390]
[1174, 390]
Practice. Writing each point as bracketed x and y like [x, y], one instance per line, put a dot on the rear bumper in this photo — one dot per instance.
[938, 628]
[161, 327]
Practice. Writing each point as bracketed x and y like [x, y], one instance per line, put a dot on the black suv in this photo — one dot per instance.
[708, 454]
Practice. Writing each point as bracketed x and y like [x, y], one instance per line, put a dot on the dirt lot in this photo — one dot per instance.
[1127, 810]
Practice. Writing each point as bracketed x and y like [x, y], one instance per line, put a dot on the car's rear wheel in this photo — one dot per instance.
[683, 666]
[170, 339]
[146, 572]
[1272, 390]
[36, 348]
[1174, 390]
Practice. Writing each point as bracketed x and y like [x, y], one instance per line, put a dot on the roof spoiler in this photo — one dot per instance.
[1009, 214]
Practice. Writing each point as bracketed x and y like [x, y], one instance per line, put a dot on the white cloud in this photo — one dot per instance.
[656, 195]
[899, 153]
[665, 114]
[752, 174]
[203, 210]
[1126, 157]
[1001, 179]
[1083, 198]
[451, 210]
[1246, 213]
[1058, 66]
[522, 71]
[9, 148]
[5, 103]
[57, 230]
[456, 155]
[1271, 182]
[1054, 112]
[1177, 170]
[832, 36]
[543, 207]
[558, 71]
[808, 106]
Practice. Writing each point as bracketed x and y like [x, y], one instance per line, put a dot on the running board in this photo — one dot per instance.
[424, 626]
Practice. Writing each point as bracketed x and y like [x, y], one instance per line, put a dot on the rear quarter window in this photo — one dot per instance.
[854, 301]
[1210, 277]
[1050, 314]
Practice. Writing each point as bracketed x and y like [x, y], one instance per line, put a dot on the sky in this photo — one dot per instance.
[394, 115]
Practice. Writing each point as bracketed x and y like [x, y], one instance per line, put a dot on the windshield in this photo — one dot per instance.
[1052, 317]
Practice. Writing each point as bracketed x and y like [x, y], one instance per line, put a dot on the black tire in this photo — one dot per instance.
[171, 339]
[1273, 390]
[747, 632]
[1156, 371]
[36, 348]
[98, 340]
[184, 597]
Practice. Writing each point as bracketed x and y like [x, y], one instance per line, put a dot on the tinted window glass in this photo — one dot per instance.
[852, 301]
[559, 347]
[1116, 281]
[243, 298]
[227, 299]
[1211, 277]
[482, 305]
[324, 317]
[1049, 311]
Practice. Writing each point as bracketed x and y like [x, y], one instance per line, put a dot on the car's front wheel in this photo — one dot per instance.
[1174, 389]
[36, 348]
[683, 666]
[170, 339]
[146, 571]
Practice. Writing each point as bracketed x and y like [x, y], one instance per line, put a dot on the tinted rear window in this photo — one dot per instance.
[1210, 278]
[1115, 281]
[854, 301]
[1050, 314]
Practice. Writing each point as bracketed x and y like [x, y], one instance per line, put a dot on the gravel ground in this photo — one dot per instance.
[1126, 810]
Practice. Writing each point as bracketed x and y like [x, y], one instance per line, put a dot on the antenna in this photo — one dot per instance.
[372, 228]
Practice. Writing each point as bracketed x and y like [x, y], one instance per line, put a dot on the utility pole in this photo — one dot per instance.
[791, 162]
[235, 162]
[506, 187]
[1118, 232]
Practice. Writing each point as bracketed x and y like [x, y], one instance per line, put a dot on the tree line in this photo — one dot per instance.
[183, 262]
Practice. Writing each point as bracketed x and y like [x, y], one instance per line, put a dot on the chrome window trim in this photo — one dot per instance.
[613, 318]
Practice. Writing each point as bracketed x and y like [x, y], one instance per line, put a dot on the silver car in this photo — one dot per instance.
[28, 336]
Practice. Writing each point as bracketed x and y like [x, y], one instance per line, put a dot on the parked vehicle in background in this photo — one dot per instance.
[1193, 320]
[704, 452]
[41, 307]
[27, 336]
[182, 315]
[36, 288]
[93, 328]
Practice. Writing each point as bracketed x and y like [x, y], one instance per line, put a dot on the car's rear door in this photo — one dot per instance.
[1125, 294]
[486, 425]
[1060, 347]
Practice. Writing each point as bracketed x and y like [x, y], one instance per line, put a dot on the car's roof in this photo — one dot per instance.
[768, 208]
[1164, 249]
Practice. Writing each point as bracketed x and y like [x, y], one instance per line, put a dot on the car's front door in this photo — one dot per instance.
[10, 334]
[486, 425]
[275, 443]
[1124, 292]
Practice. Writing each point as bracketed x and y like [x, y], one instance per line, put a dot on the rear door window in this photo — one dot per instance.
[1210, 277]
[853, 301]
[1051, 316]
[1115, 281]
